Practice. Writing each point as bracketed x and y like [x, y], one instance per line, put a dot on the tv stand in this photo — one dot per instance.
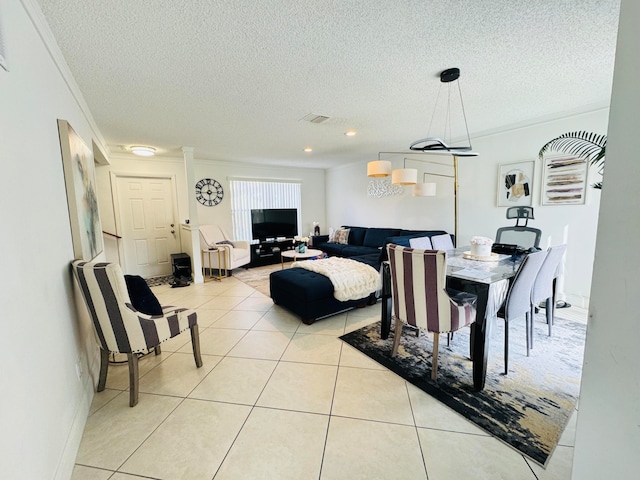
[268, 252]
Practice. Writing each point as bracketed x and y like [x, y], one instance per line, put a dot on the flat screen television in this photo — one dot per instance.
[267, 223]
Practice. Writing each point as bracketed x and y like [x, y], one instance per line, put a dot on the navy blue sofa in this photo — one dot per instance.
[310, 295]
[369, 245]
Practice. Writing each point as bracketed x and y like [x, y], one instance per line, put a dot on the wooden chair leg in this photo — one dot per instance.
[133, 379]
[195, 343]
[434, 361]
[104, 367]
[506, 346]
[396, 336]
[157, 350]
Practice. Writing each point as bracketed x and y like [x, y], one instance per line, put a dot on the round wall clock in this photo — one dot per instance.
[209, 192]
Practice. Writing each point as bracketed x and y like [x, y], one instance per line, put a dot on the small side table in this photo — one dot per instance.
[223, 251]
[294, 255]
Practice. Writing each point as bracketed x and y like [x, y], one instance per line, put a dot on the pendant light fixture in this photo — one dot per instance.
[424, 189]
[443, 144]
[379, 168]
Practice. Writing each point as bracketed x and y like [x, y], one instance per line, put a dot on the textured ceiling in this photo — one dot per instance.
[233, 78]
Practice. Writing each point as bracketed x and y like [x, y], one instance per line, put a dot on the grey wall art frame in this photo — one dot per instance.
[515, 184]
[80, 182]
[564, 180]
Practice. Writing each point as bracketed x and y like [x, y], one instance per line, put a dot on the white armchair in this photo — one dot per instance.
[220, 252]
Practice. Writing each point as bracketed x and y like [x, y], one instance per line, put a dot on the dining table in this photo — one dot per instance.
[487, 278]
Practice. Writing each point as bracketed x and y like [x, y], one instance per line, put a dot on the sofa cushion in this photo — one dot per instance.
[341, 236]
[370, 259]
[332, 248]
[353, 250]
[375, 236]
[356, 235]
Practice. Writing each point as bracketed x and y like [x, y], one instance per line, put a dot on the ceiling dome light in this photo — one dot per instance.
[350, 133]
[308, 149]
[142, 151]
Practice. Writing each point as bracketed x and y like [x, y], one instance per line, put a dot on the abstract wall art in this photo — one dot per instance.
[515, 184]
[564, 181]
[79, 177]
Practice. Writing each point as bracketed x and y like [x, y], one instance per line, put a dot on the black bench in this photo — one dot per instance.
[309, 295]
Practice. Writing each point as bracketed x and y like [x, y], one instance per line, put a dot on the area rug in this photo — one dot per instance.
[257, 277]
[528, 409]
[157, 281]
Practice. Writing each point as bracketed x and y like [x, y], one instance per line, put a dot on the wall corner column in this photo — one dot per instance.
[196, 259]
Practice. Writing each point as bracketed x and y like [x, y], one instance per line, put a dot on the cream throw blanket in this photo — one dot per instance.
[351, 279]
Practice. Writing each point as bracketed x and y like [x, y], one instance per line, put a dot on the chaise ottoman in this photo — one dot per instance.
[309, 294]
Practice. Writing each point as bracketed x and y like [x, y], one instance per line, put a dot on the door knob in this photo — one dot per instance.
[172, 225]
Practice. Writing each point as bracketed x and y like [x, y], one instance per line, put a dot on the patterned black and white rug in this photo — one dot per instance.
[156, 281]
[528, 409]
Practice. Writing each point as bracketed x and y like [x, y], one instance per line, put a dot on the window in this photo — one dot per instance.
[248, 194]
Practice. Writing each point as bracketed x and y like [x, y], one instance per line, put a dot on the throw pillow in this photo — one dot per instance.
[341, 236]
[225, 242]
[423, 243]
[142, 298]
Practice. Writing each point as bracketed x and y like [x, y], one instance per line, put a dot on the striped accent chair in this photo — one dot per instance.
[420, 297]
[120, 328]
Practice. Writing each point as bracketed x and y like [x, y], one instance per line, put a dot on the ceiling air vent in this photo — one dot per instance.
[313, 118]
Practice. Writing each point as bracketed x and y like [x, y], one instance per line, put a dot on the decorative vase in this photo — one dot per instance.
[316, 230]
[302, 248]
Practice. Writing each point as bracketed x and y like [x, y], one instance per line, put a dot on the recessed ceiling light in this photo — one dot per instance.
[350, 133]
[142, 151]
[308, 149]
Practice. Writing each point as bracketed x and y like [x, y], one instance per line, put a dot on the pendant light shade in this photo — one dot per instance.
[404, 176]
[424, 190]
[379, 168]
[441, 142]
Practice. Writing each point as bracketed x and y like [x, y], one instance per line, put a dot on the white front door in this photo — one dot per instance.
[147, 224]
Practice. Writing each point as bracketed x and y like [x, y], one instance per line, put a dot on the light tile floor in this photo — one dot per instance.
[277, 399]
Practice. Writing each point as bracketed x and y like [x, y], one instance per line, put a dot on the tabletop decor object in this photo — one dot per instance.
[301, 243]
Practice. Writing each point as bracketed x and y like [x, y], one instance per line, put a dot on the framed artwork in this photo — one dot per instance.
[564, 181]
[515, 184]
[79, 178]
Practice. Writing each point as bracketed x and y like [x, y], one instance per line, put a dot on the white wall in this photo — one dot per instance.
[44, 405]
[313, 187]
[348, 203]
[608, 429]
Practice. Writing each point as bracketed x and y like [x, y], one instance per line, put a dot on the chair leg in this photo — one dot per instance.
[157, 350]
[528, 322]
[195, 343]
[551, 311]
[396, 336]
[506, 346]
[434, 362]
[133, 379]
[104, 367]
